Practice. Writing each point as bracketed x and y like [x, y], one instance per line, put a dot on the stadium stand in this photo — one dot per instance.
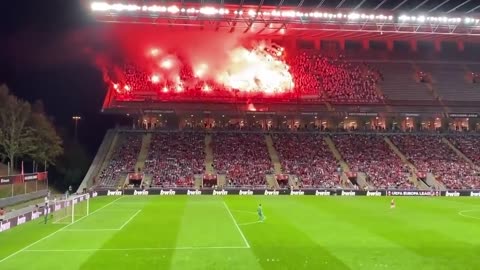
[307, 156]
[429, 154]
[469, 145]
[450, 81]
[174, 158]
[315, 76]
[122, 161]
[243, 157]
[370, 154]
[400, 82]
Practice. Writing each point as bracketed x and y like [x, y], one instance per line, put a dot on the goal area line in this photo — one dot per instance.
[135, 249]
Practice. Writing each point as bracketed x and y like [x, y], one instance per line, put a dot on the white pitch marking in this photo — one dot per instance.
[58, 221]
[253, 222]
[91, 230]
[130, 219]
[243, 211]
[55, 232]
[133, 249]
[236, 224]
[463, 215]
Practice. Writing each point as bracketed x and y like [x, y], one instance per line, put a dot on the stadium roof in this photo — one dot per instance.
[424, 6]
[352, 19]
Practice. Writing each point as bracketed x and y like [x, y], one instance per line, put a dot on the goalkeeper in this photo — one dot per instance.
[261, 217]
[46, 209]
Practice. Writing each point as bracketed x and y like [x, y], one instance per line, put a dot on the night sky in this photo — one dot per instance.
[42, 56]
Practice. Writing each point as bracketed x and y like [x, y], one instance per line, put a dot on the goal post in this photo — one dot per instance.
[70, 210]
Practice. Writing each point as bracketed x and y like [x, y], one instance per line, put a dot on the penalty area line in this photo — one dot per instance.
[253, 222]
[92, 230]
[243, 211]
[130, 219]
[461, 213]
[236, 225]
[55, 232]
[134, 249]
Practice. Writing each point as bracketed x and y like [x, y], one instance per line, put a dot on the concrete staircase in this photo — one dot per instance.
[147, 180]
[222, 180]
[336, 154]
[197, 181]
[209, 155]
[271, 181]
[143, 154]
[413, 177]
[432, 181]
[345, 168]
[273, 155]
[362, 181]
[458, 152]
[293, 181]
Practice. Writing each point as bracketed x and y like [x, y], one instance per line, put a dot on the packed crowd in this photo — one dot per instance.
[123, 160]
[308, 157]
[174, 158]
[469, 145]
[370, 154]
[244, 158]
[335, 79]
[430, 154]
[314, 75]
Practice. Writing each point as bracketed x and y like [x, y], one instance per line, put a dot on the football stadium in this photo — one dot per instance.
[297, 134]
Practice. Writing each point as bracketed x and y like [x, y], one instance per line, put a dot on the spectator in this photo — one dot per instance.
[243, 157]
[308, 157]
[174, 158]
[371, 155]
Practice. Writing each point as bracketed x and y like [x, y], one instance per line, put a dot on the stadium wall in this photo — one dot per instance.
[35, 214]
[22, 198]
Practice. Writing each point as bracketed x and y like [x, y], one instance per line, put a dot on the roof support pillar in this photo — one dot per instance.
[460, 45]
[390, 45]
[317, 44]
[438, 45]
[341, 43]
[366, 44]
[413, 45]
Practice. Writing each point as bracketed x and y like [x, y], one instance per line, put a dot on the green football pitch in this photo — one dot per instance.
[210, 232]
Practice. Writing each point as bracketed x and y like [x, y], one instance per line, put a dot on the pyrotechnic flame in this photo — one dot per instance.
[256, 71]
[166, 64]
[154, 52]
[260, 69]
[155, 79]
[200, 70]
[206, 88]
[179, 88]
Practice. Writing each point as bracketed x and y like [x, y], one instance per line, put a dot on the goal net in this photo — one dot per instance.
[69, 210]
